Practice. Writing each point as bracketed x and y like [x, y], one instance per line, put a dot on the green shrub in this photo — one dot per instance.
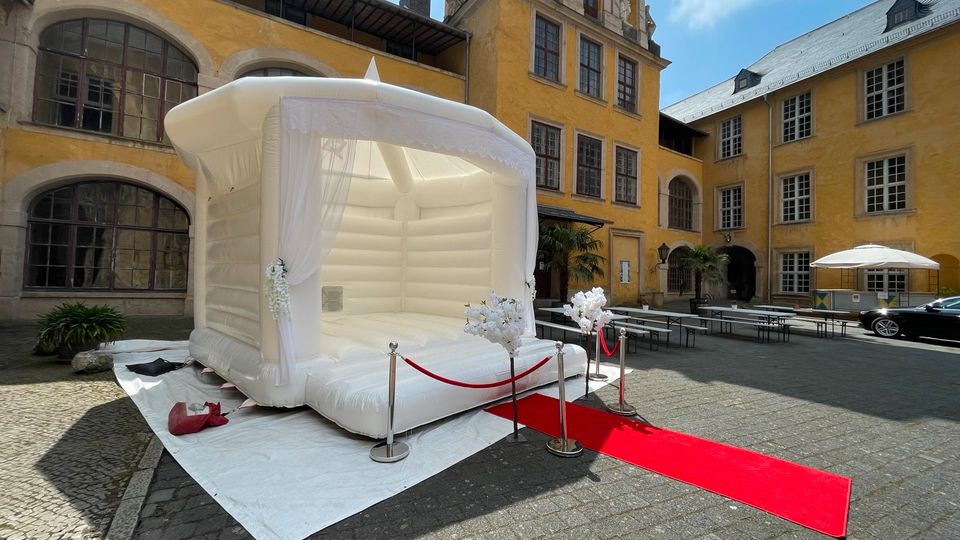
[69, 327]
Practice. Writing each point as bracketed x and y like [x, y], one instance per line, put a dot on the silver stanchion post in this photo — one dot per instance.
[622, 407]
[596, 375]
[563, 446]
[514, 437]
[390, 451]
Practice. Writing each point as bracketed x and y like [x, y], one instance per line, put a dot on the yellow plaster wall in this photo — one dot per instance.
[482, 25]
[926, 131]
[24, 150]
[226, 29]
[669, 165]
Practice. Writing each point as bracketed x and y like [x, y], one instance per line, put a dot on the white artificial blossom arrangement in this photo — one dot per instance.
[586, 309]
[498, 319]
[277, 290]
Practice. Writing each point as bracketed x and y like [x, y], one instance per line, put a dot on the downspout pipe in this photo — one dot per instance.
[770, 262]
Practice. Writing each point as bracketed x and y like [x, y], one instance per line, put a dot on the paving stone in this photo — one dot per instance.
[890, 421]
[69, 443]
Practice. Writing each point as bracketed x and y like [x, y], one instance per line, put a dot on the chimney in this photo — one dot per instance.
[420, 7]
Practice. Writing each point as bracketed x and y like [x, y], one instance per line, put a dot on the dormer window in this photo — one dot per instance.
[745, 79]
[904, 11]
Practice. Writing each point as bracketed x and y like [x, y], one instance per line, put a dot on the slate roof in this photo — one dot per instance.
[842, 41]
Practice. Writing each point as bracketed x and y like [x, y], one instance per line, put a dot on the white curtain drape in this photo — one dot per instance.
[531, 243]
[315, 176]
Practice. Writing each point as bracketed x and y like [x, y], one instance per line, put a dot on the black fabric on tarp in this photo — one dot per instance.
[157, 367]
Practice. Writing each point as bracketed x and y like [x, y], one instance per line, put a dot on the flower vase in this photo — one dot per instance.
[596, 375]
[514, 437]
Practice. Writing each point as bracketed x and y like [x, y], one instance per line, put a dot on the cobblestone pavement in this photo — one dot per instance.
[887, 416]
[68, 443]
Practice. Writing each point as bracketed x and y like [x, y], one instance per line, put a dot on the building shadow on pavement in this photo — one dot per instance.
[900, 381]
[486, 485]
[18, 364]
[93, 460]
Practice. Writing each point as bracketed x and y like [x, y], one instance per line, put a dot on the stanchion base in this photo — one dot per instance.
[568, 448]
[381, 453]
[625, 410]
[597, 377]
[518, 439]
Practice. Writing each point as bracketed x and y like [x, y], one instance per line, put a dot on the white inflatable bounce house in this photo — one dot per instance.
[390, 210]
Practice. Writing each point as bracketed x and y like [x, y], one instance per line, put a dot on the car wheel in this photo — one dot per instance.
[886, 327]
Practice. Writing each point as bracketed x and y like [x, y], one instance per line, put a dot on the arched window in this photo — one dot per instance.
[681, 205]
[111, 77]
[274, 72]
[679, 280]
[103, 235]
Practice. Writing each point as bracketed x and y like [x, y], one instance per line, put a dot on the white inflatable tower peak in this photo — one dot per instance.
[372, 73]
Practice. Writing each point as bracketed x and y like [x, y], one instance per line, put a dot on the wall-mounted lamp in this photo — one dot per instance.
[662, 252]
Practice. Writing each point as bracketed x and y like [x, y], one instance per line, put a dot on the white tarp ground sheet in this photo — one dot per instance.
[289, 473]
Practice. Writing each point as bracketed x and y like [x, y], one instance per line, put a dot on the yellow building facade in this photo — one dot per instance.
[88, 185]
[530, 66]
[809, 156]
[44, 253]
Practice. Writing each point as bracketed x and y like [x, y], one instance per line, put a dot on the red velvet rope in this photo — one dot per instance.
[442, 379]
[603, 343]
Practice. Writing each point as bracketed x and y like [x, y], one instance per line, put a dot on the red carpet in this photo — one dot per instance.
[808, 497]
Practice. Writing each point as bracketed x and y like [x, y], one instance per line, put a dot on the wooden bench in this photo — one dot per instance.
[653, 331]
[576, 330]
[821, 324]
[689, 330]
[554, 326]
[763, 328]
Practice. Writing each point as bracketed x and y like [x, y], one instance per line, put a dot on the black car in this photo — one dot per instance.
[940, 318]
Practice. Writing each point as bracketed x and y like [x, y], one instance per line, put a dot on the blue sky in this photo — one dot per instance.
[708, 41]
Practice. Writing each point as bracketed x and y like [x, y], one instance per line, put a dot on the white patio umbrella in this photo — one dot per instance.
[874, 256]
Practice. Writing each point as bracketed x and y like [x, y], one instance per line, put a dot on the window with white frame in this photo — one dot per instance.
[591, 67]
[886, 184]
[680, 205]
[885, 90]
[624, 271]
[730, 138]
[797, 116]
[627, 84]
[889, 280]
[589, 166]
[731, 207]
[545, 140]
[546, 49]
[795, 198]
[795, 272]
[625, 190]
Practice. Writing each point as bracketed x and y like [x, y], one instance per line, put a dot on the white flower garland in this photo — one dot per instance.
[277, 290]
[499, 320]
[586, 309]
[532, 286]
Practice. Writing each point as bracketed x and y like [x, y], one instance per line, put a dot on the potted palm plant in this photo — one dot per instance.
[572, 251]
[71, 328]
[707, 264]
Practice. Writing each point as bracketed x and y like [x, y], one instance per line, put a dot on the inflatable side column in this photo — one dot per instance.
[200, 251]
[269, 229]
[508, 242]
